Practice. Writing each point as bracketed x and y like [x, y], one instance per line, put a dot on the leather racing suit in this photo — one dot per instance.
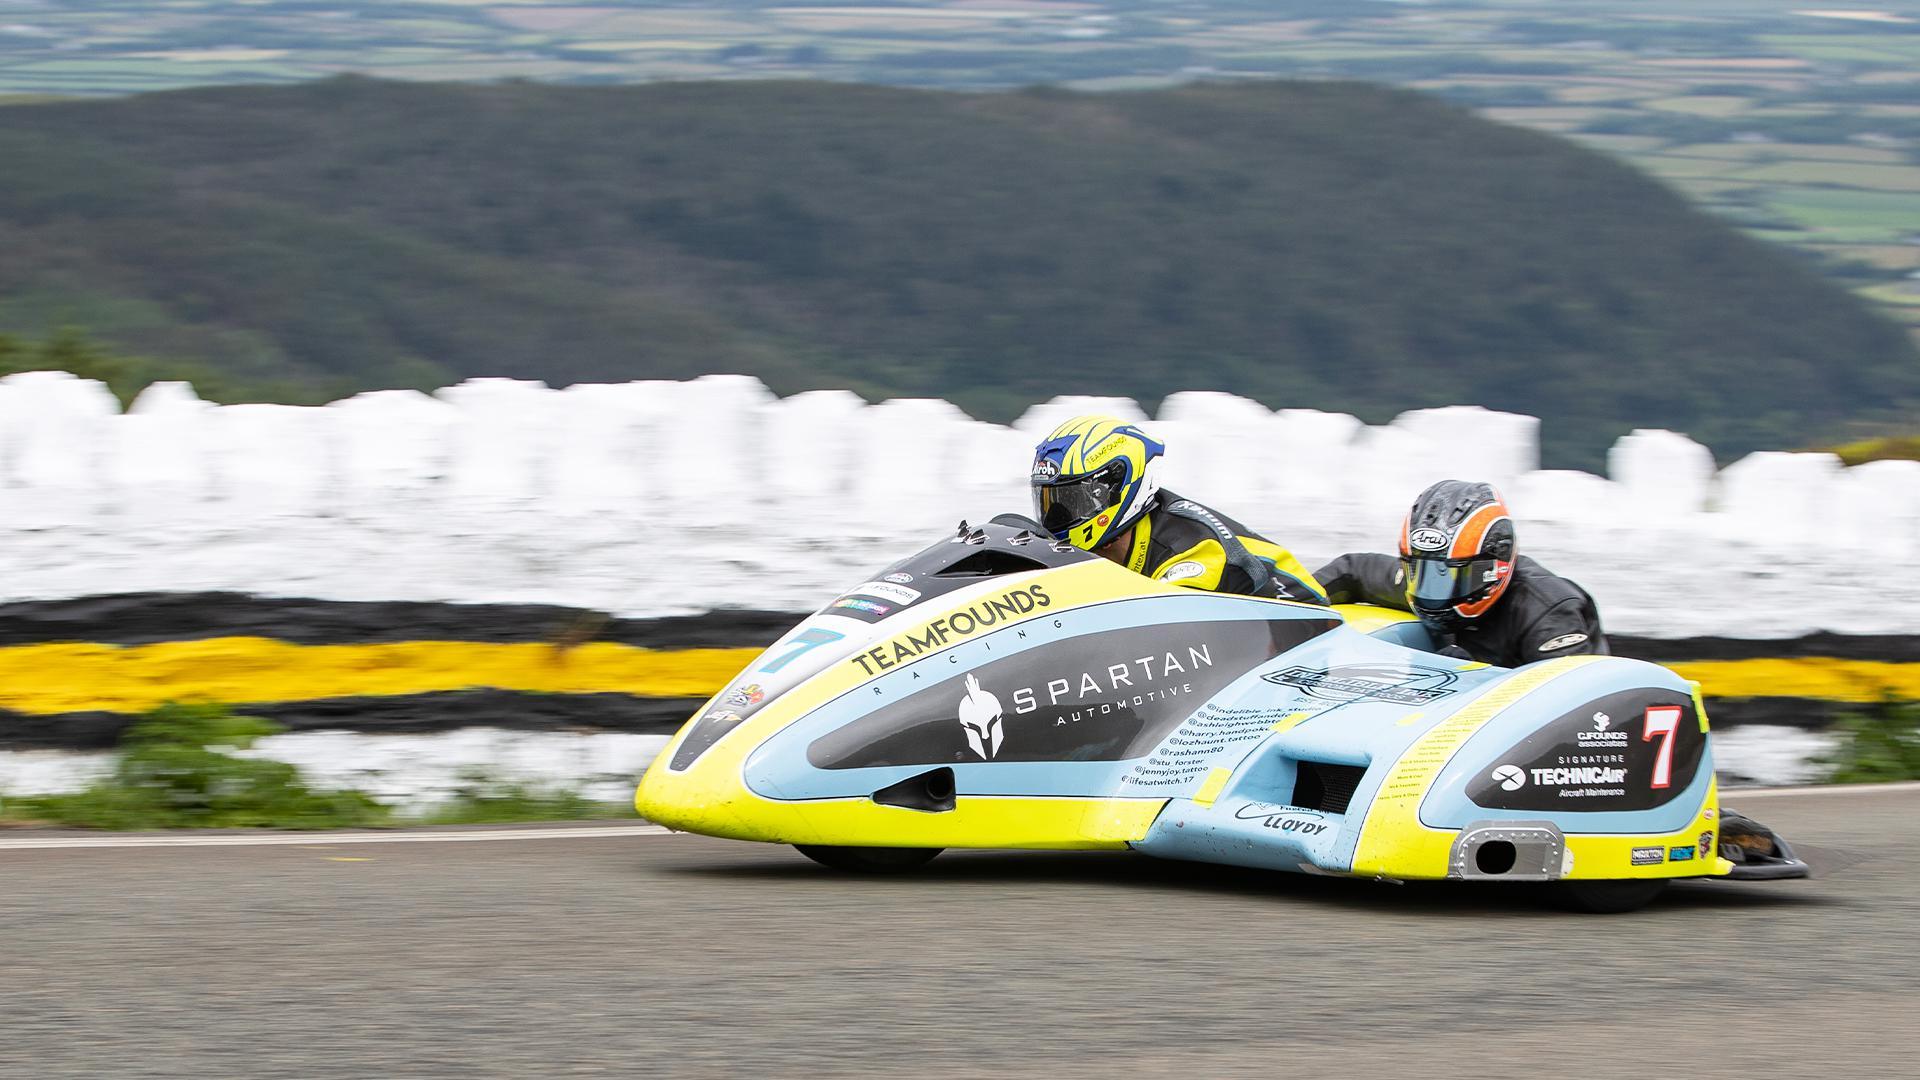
[1181, 542]
[1541, 616]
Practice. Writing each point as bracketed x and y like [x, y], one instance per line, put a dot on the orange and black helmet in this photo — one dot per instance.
[1457, 550]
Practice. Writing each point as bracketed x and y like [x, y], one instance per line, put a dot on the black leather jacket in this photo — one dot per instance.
[1542, 615]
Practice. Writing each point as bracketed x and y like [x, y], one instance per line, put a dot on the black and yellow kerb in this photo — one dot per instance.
[74, 672]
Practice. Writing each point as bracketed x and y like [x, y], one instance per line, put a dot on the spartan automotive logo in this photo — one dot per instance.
[1427, 539]
[1383, 682]
[980, 719]
[1510, 777]
[1101, 691]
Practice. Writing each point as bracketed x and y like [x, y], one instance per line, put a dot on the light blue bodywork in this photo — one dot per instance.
[1248, 821]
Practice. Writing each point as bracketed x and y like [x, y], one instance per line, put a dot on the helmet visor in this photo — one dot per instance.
[1437, 583]
[1068, 504]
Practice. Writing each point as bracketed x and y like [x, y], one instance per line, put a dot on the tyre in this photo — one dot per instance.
[1606, 897]
[870, 860]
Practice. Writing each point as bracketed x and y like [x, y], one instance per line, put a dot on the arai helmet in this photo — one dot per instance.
[1092, 479]
[1457, 552]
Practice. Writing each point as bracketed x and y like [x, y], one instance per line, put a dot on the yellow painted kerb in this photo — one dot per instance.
[245, 670]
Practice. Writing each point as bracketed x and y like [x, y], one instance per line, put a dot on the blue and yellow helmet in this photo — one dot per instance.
[1092, 479]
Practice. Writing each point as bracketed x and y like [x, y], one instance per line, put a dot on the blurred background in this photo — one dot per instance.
[427, 404]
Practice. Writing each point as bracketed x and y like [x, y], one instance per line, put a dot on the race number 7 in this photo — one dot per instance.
[1662, 721]
[811, 639]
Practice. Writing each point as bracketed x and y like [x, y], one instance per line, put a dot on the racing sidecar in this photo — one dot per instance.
[1002, 690]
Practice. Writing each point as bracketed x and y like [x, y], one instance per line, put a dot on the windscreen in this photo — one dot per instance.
[1009, 544]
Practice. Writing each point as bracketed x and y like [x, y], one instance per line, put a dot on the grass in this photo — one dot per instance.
[1853, 210]
[1892, 448]
[486, 799]
[1881, 178]
[1877, 745]
[175, 772]
[1700, 105]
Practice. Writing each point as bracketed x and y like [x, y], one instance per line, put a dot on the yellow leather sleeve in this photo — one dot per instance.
[1198, 567]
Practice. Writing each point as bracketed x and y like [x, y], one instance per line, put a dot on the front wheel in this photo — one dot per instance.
[1606, 897]
[870, 860]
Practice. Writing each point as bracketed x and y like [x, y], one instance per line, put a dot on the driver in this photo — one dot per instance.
[1096, 486]
[1459, 573]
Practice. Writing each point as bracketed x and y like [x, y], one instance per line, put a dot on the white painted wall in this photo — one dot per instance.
[419, 770]
[657, 498]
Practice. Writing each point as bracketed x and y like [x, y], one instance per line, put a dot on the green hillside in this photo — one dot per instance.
[1321, 244]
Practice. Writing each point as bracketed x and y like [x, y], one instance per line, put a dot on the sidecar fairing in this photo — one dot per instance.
[999, 690]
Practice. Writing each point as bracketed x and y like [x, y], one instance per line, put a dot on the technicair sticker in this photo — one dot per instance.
[947, 629]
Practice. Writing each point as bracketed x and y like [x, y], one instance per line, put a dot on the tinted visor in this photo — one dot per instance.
[1438, 583]
[1069, 504]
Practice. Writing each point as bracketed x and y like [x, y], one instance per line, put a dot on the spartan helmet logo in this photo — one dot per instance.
[980, 719]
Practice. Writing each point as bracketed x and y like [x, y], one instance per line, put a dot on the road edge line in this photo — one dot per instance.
[323, 839]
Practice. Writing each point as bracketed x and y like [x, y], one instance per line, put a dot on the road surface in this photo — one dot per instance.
[625, 952]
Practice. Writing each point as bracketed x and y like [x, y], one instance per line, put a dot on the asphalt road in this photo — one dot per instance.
[674, 955]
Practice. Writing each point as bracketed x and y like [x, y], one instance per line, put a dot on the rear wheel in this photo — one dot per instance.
[1607, 897]
[870, 860]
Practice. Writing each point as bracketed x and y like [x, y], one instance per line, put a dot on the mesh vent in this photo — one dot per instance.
[990, 562]
[1326, 788]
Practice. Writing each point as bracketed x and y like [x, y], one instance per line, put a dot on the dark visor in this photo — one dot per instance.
[1445, 582]
[1070, 504]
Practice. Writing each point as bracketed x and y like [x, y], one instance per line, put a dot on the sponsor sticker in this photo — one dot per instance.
[858, 604]
[1579, 775]
[1564, 641]
[1510, 777]
[1100, 690]
[741, 697]
[1601, 754]
[1383, 682]
[1108, 447]
[1427, 539]
[1649, 856]
[1285, 819]
[981, 719]
[1680, 854]
[943, 631]
[1603, 736]
[1706, 845]
[898, 579]
[886, 590]
[1045, 469]
[1180, 571]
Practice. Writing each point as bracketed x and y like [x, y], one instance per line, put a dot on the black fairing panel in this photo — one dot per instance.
[1104, 696]
[1603, 756]
[1009, 544]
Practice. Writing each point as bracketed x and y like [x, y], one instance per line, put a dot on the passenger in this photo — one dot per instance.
[1459, 573]
[1096, 486]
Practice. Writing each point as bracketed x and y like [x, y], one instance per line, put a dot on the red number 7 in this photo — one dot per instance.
[1663, 721]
